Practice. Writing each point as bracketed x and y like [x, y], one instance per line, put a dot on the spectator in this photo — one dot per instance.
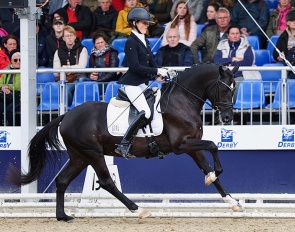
[277, 20]
[185, 24]
[122, 27]
[228, 4]
[10, 90]
[10, 21]
[103, 56]
[207, 42]
[235, 50]
[42, 58]
[4, 59]
[118, 5]
[80, 18]
[105, 18]
[159, 9]
[174, 53]
[54, 39]
[211, 15]
[10, 43]
[70, 54]
[286, 43]
[194, 6]
[260, 12]
[92, 4]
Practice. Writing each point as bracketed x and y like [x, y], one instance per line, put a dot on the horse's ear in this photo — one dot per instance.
[235, 69]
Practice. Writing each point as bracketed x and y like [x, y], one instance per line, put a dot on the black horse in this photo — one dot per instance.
[87, 140]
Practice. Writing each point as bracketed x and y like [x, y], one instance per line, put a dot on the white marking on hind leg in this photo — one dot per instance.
[142, 213]
[234, 204]
[210, 178]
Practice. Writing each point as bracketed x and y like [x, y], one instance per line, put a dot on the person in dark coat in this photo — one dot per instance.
[80, 18]
[105, 18]
[103, 56]
[41, 46]
[142, 68]
[54, 39]
[174, 53]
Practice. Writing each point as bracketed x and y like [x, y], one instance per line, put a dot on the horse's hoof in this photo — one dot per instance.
[238, 208]
[210, 178]
[142, 213]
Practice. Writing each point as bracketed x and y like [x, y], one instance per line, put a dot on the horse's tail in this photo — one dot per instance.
[46, 138]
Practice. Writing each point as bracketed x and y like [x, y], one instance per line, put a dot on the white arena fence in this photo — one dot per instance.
[265, 102]
[160, 205]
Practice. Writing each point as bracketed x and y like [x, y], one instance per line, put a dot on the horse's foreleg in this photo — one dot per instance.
[192, 145]
[106, 182]
[62, 182]
[202, 162]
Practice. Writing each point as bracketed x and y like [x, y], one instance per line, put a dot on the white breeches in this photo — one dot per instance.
[136, 96]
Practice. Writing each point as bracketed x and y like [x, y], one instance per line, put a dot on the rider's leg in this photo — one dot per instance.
[126, 143]
[137, 98]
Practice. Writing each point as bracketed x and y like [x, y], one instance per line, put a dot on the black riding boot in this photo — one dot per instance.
[127, 141]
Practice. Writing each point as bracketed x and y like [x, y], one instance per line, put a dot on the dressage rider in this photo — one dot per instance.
[142, 68]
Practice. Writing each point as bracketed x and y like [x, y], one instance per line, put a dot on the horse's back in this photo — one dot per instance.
[87, 116]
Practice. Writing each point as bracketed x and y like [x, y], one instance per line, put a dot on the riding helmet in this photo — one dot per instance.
[139, 14]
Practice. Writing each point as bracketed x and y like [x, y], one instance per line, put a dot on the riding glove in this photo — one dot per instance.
[162, 72]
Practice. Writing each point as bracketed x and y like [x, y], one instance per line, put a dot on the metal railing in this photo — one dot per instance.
[264, 114]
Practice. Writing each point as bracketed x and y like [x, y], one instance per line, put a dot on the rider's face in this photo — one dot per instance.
[142, 26]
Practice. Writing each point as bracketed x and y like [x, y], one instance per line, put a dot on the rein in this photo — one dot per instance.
[214, 106]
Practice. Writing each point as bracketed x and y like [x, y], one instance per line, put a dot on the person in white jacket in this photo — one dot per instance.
[185, 24]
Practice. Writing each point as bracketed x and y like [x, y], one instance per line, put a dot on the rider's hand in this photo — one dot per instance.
[162, 72]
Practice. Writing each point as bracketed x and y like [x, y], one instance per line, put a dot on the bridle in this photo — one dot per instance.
[216, 104]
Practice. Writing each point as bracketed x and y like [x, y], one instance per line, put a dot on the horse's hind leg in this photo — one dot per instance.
[106, 182]
[62, 182]
[201, 160]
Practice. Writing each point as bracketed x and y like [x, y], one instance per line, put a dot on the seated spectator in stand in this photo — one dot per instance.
[10, 91]
[92, 4]
[260, 12]
[70, 54]
[194, 6]
[122, 27]
[185, 24]
[54, 39]
[4, 59]
[207, 42]
[79, 17]
[10, 21]
[211, 15]
[228, 4]
[277, 19]
[118, 5]
[103, 56]
[10, 43]
[174, 53]
[236, 50]
[286, 43]
[105, 18]
[42, 59]
[159, 9]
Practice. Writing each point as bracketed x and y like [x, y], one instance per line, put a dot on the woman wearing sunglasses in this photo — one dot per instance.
[10, 91]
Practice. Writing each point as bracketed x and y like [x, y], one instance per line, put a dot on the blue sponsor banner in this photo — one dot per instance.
[227, 139]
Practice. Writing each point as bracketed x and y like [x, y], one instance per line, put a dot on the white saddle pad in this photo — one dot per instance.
[118, 113]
